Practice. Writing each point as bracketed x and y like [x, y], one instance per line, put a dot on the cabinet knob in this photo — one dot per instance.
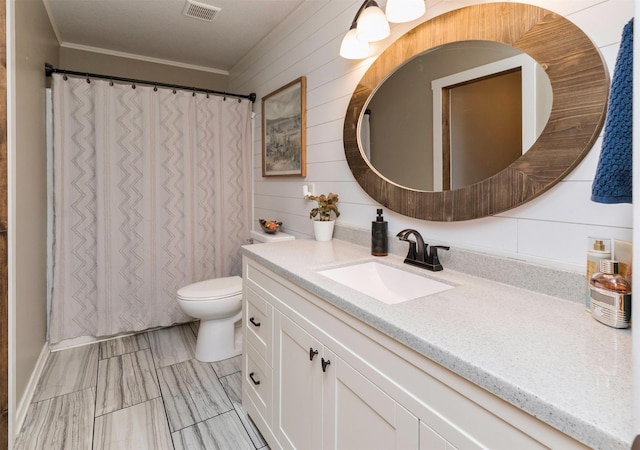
[253, 321]
[312, 353]
[325, 363]
[256, 382]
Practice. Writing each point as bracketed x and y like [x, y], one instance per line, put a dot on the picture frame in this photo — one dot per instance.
[284, 129]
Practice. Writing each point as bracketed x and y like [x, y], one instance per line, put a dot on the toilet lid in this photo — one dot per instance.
[215, 288]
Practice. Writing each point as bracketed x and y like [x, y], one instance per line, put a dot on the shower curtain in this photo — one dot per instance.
[151, 193]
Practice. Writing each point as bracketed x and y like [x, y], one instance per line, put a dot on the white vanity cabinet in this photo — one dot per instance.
[323, 402]
[374, 392]
[298, 386]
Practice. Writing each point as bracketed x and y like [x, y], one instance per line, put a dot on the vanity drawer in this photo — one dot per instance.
[257, 383]
[259, 324]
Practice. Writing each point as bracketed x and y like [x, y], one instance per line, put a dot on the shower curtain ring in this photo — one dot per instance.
[155, 88]
[111, 81]
[88, 80]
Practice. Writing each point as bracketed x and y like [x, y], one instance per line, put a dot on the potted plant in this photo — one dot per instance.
[323, 215]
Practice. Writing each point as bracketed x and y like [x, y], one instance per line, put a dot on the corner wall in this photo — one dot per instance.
[551, 230]
[35, 44]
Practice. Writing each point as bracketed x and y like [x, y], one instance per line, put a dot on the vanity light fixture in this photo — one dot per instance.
[400, 11]
[352, 47]
[371, 24]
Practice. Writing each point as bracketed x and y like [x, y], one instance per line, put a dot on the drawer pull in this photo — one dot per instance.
[325, 363]
[253, 321]
[312, 353]
[256, 382]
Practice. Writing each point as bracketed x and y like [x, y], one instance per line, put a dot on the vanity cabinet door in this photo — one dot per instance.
[359, 415]
[298, 389]
[430, 440]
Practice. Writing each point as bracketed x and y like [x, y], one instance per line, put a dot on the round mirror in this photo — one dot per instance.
[455, 115]
[579, 83]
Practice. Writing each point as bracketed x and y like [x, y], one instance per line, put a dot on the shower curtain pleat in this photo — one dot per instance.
[151, 192]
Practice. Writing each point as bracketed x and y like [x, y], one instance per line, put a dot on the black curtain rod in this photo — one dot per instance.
[50, 70]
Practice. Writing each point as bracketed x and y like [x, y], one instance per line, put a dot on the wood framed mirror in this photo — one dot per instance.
[580, 86]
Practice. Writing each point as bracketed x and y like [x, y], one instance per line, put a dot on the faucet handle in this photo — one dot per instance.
[433, 256]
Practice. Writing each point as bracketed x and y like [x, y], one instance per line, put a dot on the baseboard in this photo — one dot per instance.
[23, 405]
[87, 340]
[79, 342]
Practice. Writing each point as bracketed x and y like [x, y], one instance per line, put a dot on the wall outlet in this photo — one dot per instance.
[307, 190]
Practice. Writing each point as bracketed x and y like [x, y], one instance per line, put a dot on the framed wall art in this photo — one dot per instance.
[284, 130]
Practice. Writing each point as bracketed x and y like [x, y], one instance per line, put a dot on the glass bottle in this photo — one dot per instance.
[610, 296]
[599, 249]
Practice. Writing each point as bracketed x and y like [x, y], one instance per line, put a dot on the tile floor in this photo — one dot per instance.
[139, 392]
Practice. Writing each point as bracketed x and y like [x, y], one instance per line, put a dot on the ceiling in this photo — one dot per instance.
[158, 30]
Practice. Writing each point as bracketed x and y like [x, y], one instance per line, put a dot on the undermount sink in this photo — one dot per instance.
[385, 283]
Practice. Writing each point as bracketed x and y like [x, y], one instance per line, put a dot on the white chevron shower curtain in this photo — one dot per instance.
[151, 192]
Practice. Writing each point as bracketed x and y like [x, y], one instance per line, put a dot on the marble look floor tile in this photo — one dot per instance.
[232, 385]
[195, 326]
[68, 371]
[221, 432]
[124, 381]
[172, 345]
[228, 366]
[123, 345]
[143, 426]
[64, 422]
[250, 428]
[192, 393]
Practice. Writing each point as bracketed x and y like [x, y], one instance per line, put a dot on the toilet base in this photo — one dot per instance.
[216, 339]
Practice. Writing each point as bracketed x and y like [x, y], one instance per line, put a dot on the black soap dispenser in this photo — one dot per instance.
[379, 243]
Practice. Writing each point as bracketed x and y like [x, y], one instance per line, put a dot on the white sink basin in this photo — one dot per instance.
[385, 283]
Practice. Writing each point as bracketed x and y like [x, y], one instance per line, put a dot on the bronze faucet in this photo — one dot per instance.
[421, 254]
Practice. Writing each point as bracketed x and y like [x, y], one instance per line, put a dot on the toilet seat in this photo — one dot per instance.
[214, 289]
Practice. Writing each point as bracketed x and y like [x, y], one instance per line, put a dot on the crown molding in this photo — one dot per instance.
[167, 62]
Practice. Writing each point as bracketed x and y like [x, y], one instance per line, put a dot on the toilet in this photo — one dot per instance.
[218, 305]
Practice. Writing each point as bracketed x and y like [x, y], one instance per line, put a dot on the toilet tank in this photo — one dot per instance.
[261, 236]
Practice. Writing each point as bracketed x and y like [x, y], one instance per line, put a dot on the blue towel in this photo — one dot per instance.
[613, 180]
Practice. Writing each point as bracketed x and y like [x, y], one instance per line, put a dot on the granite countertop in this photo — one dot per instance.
[543, 354]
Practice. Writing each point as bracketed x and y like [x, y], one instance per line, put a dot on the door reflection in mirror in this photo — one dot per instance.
[406, 123]
[481, 128]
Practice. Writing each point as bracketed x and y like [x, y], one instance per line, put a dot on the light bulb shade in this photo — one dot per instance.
[352, 47]
[372, 25]
[399, 11]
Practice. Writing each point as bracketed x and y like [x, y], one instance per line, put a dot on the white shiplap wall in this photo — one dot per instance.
[551, 230]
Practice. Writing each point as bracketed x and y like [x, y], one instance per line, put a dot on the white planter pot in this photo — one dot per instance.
[323, 230]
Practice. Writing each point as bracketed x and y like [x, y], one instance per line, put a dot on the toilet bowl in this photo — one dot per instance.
[218, 305]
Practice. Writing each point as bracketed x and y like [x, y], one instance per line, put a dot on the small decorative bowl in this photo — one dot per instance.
[270, 226]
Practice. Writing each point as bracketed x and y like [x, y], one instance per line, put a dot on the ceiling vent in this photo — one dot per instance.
[200, 11]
